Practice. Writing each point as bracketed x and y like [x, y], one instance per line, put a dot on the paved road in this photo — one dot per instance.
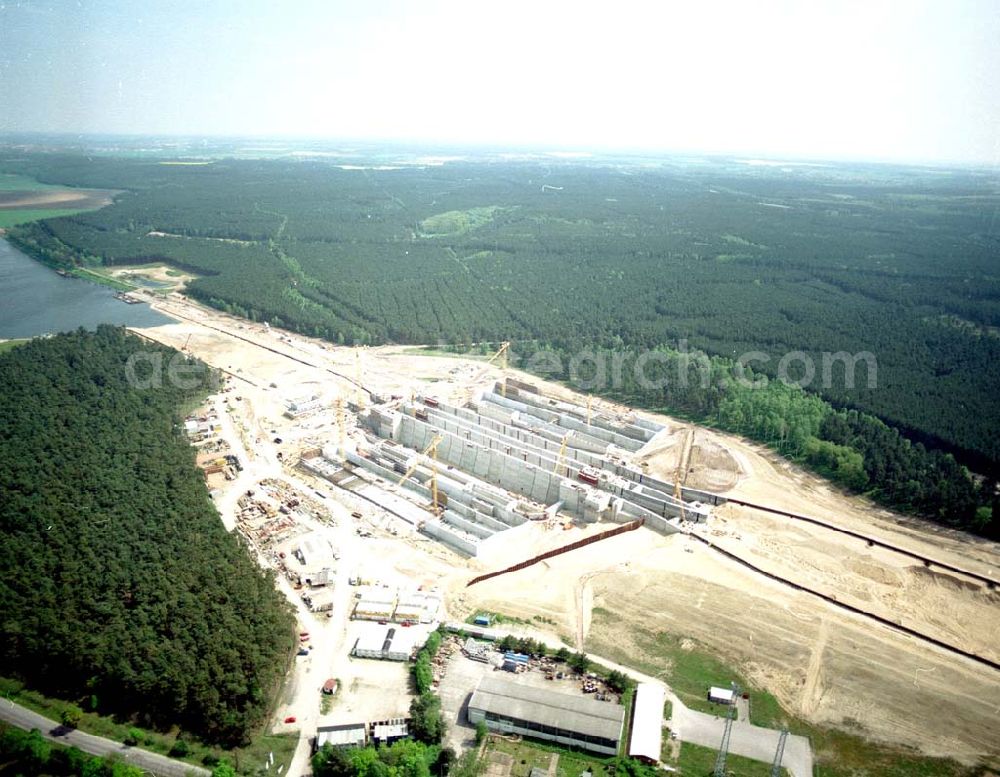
[747, 740]
[18, 716]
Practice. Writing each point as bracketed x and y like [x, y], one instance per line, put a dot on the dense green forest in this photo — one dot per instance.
[628, 255]
[119, 587]
[24, 753]
[852, 448]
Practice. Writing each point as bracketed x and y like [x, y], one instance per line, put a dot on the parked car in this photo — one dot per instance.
[303, 651]
[290, 719]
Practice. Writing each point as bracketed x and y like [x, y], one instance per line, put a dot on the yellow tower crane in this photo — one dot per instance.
[342, 428]
[562, 453]
[502, 355]
[358, 397]
[681, 474]
[432, 450]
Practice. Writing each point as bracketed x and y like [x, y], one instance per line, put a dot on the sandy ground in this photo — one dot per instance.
[153, 272]
[824, 664]
[55, 199]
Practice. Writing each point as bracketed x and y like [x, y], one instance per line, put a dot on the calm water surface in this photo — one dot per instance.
[36, 301]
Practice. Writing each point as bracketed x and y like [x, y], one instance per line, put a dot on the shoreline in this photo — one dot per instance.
[39, 303]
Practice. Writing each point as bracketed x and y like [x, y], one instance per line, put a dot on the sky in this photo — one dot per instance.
[912, 80]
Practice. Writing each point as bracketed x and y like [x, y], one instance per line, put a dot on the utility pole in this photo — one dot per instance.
[776, 766]
[720, 759]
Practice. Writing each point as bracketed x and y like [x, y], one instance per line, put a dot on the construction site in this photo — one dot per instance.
[601, 527]
[473, 473]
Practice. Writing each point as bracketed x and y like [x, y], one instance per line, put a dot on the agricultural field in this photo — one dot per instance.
[24, 199]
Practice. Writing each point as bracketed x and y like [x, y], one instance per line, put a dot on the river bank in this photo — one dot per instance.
[38, 301]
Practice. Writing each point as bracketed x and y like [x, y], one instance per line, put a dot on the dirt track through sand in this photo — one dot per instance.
[812, 693]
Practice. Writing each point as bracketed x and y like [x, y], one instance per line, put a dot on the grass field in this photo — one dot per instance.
[529, 753]
[22, 183]
[247, 760]
[98, 277]
[692, 672]
[6, 345]
[11, 218]
[697, 761]
[458, 222]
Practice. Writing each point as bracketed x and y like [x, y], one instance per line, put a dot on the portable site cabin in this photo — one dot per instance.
[721, 695]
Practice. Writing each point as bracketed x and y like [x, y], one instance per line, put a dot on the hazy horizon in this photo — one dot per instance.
[846, 81]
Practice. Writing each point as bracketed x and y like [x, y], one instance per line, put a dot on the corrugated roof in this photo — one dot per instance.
[385, 730]
[550, 708]
[371, 640]
[338, 736]
[647, 722]
[721, 693]
[367, 607]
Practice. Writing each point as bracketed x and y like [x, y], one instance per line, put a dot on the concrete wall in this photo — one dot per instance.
[626, 427]
[451, 538]
[504, 445]
[519, 474]
[469, 527]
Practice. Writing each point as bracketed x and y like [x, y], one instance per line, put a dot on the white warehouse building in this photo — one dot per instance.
[512, 708]
[647, 722]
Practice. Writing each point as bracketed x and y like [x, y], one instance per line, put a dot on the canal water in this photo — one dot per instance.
[34, 300]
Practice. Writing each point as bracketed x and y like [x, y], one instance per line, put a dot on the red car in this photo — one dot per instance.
[290, 719]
